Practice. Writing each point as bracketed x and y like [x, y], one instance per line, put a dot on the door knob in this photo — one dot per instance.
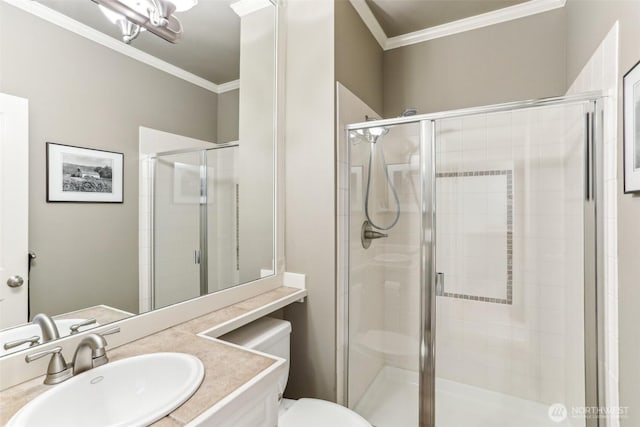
[15, 281]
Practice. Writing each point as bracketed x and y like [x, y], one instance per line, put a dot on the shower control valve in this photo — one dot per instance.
[368, 234]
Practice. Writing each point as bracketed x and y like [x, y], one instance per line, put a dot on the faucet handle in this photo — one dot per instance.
[75, 328]
[101, 354]
[58, 370]
[40, 354]
[111, 331]
[17, 343]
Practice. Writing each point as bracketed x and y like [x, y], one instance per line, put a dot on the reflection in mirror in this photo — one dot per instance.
[194, 209]
[193, 114]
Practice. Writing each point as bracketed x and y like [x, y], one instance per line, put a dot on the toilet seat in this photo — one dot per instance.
[320, 413]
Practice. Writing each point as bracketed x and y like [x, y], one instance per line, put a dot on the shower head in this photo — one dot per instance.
[371, 134]
[377, 132]
[374, 133]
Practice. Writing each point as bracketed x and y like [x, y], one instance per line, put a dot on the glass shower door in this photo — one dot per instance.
[510, 348]
[177, 228]
[384, 275]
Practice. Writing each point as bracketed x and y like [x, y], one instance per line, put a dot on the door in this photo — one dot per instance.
[384, 274]
[14, 210]
[510, 245]
[177, 231]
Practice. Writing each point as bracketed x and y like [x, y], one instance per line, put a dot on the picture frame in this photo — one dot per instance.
[631, 119]
[84, 175]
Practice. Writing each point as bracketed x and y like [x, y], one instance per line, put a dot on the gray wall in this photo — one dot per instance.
[330, 38]
[587, 24]
[228, 116]
[310, 195]
[515, 60]
[83, 94]
[358, 56]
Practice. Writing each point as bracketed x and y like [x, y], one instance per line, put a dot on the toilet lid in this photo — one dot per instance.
[320, 413]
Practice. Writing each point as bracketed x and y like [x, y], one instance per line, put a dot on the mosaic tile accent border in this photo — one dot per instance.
[509, 175]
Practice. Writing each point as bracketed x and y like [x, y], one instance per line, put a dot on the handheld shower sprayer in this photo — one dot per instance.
[373, 135]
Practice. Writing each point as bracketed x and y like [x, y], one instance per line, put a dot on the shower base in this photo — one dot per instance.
[392, 401]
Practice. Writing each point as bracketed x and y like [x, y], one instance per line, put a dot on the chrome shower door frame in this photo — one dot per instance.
[427, 362]
[594, 323]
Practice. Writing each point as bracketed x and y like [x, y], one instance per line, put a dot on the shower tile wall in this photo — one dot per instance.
[522, 347]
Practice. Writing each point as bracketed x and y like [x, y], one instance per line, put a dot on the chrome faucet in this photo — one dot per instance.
[48, 327]
[91, 352]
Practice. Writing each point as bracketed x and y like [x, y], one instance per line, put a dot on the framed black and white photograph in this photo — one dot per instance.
[83, 175]
[631, 82]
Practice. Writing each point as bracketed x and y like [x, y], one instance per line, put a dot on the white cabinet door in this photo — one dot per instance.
[14, 209]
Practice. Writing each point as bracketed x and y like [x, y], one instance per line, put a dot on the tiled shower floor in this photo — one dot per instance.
[392, 401]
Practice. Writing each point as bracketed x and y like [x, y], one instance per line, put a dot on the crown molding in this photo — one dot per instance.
[63, 21]
[531, 7]
[229, 86]
[370, 21]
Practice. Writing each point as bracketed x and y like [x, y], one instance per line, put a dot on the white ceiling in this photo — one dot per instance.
[210, 47]
[398, 17]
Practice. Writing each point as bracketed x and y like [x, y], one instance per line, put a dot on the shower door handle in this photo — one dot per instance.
[439, 284]
[196, 256]
[589, 160]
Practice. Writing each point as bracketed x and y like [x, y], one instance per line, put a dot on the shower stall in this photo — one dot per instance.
[194, 214]
[473, 266]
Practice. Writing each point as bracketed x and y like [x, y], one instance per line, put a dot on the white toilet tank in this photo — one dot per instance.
[267, 335]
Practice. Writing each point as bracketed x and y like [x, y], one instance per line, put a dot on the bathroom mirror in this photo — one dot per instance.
[194, 121]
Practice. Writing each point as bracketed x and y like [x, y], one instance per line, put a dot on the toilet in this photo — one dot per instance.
[272, 336]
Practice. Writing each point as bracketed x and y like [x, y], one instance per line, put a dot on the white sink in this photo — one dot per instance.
[136, 391]
[29, 330]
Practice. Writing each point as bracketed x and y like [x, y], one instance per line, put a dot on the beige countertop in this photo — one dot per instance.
[226, 367]
[102, 313]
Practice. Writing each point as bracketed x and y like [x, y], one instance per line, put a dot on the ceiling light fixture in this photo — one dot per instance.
[156, 16]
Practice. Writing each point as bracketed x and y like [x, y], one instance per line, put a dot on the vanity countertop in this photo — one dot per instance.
[102, 313]
[226, 367]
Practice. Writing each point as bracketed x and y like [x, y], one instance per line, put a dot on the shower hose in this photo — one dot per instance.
[393, 189]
